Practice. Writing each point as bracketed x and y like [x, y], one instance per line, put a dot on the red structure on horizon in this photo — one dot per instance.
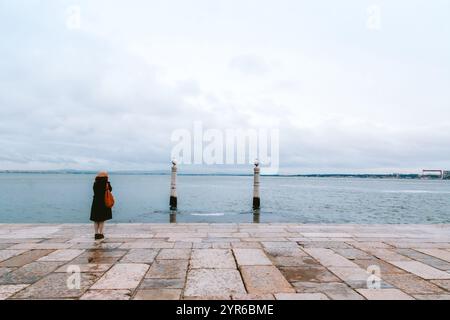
[441, 172]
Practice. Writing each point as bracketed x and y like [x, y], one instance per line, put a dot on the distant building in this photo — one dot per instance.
[435, 174]
[446, 174]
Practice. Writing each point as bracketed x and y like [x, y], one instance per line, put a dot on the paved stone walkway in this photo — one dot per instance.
[225, 261]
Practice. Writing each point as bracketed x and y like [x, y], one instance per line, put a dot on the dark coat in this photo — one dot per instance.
[99, 211]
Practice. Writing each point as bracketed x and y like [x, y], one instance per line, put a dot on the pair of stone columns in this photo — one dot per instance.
[173, 186]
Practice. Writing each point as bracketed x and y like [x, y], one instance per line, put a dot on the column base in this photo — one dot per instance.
[173, 203]
[256, 203]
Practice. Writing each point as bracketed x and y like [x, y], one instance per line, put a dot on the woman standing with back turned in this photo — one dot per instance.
[99, 211]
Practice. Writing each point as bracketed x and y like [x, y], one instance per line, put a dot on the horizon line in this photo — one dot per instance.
[167, 172]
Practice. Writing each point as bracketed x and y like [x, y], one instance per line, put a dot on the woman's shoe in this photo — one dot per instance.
[97, 236]
[101, 236]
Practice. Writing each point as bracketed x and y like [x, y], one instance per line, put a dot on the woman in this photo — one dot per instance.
[99, 211]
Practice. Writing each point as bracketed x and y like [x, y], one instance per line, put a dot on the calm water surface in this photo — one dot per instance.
[58, 198]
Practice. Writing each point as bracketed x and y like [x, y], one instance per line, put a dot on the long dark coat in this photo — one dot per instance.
[99, 211]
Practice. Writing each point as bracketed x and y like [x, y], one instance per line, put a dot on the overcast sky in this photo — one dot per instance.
[350, 91]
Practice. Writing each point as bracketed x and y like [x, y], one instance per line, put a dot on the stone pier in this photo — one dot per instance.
[225, 261]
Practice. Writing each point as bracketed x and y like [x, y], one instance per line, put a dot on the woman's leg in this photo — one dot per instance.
[101, 225]
[96, 227]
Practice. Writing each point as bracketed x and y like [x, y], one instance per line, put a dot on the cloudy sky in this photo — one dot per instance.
[352, 86]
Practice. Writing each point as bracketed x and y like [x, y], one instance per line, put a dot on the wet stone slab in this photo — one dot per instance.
[13, 241]
[62, 255]
[353, 254]
[384, 294]
[445, 284]
[412, 254]
[102, 245]
[57, 285]
[106, 295]
[436, 263]
[42, 246]
[108, 252]
[29, 273]
[253, 297]
[140, 256]
[158, 294]
[89, 268]
[300, 261]
[427, 259]
[333, 290]
[300, 296]
[174, 254]
[150, 283]
[387, 254]
[213, 282]
[99, 257]
[25, 258]
[25, 232]
[355, 277]
[285, 252]
[212, 258]
[168, 269]
[422, 270]
[147, 245]
[384, 267]
[122, 276]
[329, 258]
[313, 235]
[246, 245]
[432, 296]
[437, 253]
[6, 254]
[4, 271]
[202, 245]
[308, 273]
[264, 279]
[251, 257]
[279, 244]
[7, 291]
[411, 284]
[182, 245]
[365, 245]
[324, 244]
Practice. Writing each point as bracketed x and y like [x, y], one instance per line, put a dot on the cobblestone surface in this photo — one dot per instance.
[225, 261]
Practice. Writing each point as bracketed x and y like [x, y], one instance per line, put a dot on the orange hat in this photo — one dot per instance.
[102, 174]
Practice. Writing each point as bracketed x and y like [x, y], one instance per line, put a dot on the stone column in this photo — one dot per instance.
[256, 213]
[256, 200]
[173, 216]
[173, 186]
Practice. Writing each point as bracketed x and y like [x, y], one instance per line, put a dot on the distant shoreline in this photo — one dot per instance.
[159, 173]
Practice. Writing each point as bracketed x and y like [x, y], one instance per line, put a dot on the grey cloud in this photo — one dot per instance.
[82, 99]
[250, 64]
